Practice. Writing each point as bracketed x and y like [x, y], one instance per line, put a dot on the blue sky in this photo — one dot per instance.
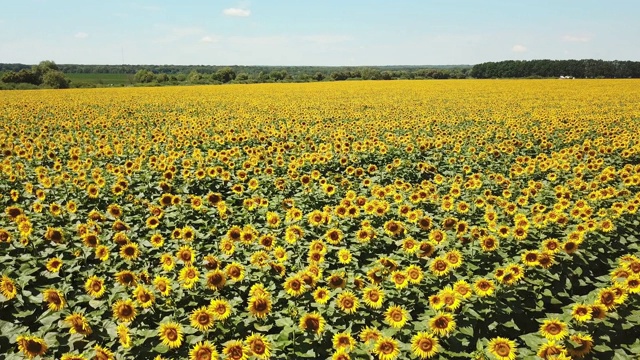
[329, 32]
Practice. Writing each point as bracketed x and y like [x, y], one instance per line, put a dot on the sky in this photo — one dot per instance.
[319, 33]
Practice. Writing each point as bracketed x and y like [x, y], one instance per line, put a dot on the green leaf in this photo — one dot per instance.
[262, 328]
[161, 348]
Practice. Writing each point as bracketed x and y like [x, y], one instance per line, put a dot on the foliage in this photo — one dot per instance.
[55, 79]
[46, 73]
[452, 219]
[587, 68]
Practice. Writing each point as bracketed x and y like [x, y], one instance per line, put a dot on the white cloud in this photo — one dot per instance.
[572, 38]
[519, 48]
[81, 35]
[211, 39]
[236, 12]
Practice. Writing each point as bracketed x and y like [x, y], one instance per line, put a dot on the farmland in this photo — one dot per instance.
[488, 219]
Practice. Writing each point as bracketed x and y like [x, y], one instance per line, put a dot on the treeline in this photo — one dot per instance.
[229, 74]
[258, 74]
[587, 68]
[46, 74]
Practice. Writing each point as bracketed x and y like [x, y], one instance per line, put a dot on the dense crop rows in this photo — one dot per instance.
[486, 219]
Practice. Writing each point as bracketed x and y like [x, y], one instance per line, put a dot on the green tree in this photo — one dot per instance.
[226, 74]
[55, 79]
[194, 76]
[162, 78]
[144, 76]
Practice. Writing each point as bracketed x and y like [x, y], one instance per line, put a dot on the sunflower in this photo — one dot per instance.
[126, 278]
[409, 245]
[484, 287]
[454, 258]
[91, 240]
[258, 346]
[312, 322]
[373, 297]
[8, 287]
[234, 271]
[439, 267]
[334, 236]
[633, 284]
[94, 286]
[598, 311]
[504, 231]
[54, 299]
[344, 256]
[337, 280]
[442, 324]
[551, 350]
[123, 336]
[5, 236]
[400, 279]
[321, 295]
[396, 316]
[54, 234]
[130, 251]
[437, 236]
[124, 310]
[462, 288]
[370, 334]
[188, 234]
[584, 345]
[426, 249]
[102, 353]
[436, 302]
[31, 346]
[167, 262]
[347, 302]
[551, 245]
[216, 279]
[424, 345]
[78, 324]
[386, 348]
[203, 351]
[144, 297]
[502, 348]
[259, 306]
[489, 243]
[294, 286]
[343, 341]
[189, 276]
[553, 329]
[235, 350]
[393, 228]
[220, 308]
[607, 298]
[581, 313]
[163, 285]
[607, 225]
[520, 233]
[450, 298]
[201, 318]
[171, 334]
[185, 254]
[340, 355]
[156, 240]
[530, 258]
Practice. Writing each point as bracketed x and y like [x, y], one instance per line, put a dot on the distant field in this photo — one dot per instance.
[105, 79]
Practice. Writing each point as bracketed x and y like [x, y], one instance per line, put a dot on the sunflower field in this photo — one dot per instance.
[353, 220]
